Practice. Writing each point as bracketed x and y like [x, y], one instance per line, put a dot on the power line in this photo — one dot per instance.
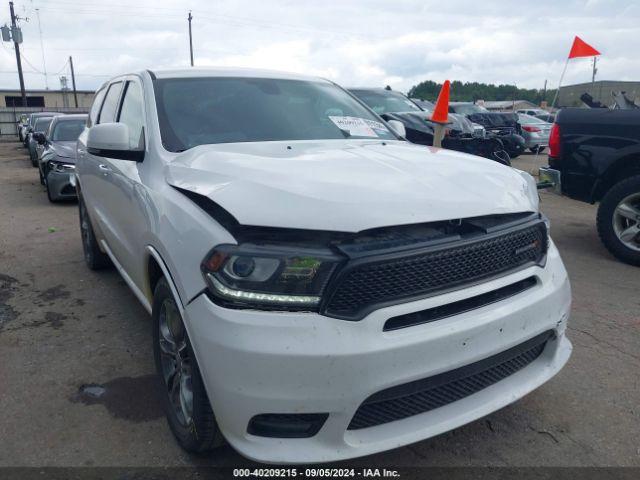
[219, 18]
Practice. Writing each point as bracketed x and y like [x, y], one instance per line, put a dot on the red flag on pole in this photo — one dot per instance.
[582, 49]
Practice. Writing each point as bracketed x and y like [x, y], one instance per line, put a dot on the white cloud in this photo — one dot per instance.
[364, 43]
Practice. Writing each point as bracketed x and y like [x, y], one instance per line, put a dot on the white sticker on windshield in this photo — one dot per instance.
[354, 126]
[377, 127]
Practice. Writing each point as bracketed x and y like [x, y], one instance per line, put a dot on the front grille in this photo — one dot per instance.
[428, 394]
[364, 286]
[461, 306]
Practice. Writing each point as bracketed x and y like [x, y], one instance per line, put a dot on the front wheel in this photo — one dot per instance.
[34, 157]
[51, 198]
[184, 397]
[619, 220]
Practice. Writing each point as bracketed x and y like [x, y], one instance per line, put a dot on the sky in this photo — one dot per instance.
[362, 43]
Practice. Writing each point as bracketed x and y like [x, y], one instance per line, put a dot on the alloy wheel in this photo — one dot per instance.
[626, 221]
[176, 362]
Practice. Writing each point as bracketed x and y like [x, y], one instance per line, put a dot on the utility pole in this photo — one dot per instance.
[190, 17]
[14, 28]
[544, 92]
[73, 81]
[595, 70]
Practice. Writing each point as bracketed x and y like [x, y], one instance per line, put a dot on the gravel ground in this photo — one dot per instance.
[63, 327]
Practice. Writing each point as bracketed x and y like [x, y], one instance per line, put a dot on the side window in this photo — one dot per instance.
[131, 114]
[95, 107]
[110, 105]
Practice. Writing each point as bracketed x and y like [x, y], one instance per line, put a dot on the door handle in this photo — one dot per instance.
[105, 169]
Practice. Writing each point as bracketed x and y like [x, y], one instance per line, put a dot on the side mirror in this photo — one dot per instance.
[112, 140]
[398, 127]
[40, 137]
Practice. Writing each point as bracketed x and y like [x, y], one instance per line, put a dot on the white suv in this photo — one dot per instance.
[319, 288]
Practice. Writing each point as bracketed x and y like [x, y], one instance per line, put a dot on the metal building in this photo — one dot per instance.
[46, 98]
[569, 96]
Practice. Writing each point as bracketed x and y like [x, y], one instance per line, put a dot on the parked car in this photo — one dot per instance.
[501, 125]
[539, 113]
[40, 127]
[535, 132]
[58, 155]
[477, 130]
[594, 156]
[460, 134]
[26, 132]
[22, 122]
[319, 288]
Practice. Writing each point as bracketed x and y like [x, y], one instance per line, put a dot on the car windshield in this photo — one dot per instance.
[68, 130]
[468, 109]
[199, 111]
[425, 104]
[42, 124]
[386, 101]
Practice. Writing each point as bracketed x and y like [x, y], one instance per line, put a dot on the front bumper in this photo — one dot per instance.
[256, 362]
[60, 185]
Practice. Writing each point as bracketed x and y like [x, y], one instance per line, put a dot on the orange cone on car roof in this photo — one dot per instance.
[441, 112]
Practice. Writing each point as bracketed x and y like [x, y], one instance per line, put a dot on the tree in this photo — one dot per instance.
[472, 91]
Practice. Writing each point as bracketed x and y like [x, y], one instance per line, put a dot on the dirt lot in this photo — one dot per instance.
[62, 327]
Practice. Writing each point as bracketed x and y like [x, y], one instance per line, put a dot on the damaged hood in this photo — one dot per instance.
[348, 186]
[64, 149]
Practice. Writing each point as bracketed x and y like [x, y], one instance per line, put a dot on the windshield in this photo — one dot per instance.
[425, 104]
[386, 101]
[199, 111]
[67, 130]
[468, 109]
[42, 124]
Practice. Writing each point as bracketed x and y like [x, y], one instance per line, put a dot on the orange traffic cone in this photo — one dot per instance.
[441, 112]
[440, 115]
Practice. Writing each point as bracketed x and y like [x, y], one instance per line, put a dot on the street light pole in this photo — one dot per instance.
[14, 27]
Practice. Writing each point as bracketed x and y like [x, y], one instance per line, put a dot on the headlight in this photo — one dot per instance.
[61, 167]
[268, 276]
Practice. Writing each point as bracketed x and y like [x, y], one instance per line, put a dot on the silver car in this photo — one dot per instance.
[58, 157]
[535, 132]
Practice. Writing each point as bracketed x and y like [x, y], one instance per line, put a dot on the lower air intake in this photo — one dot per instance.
[430, 393]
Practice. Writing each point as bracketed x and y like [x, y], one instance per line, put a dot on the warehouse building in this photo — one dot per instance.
[600, 90]
[47, 98]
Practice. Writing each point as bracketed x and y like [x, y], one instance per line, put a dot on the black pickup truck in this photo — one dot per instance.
[594, 156]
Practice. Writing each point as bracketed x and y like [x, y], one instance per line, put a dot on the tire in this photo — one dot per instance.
[34, 158]
[51, 199]
[194, 426]
[41, 177]
[95, 258]
[537, 149]
[613, 226]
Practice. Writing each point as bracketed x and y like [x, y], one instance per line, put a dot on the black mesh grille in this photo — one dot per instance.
[412, 276]
[421, 396]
